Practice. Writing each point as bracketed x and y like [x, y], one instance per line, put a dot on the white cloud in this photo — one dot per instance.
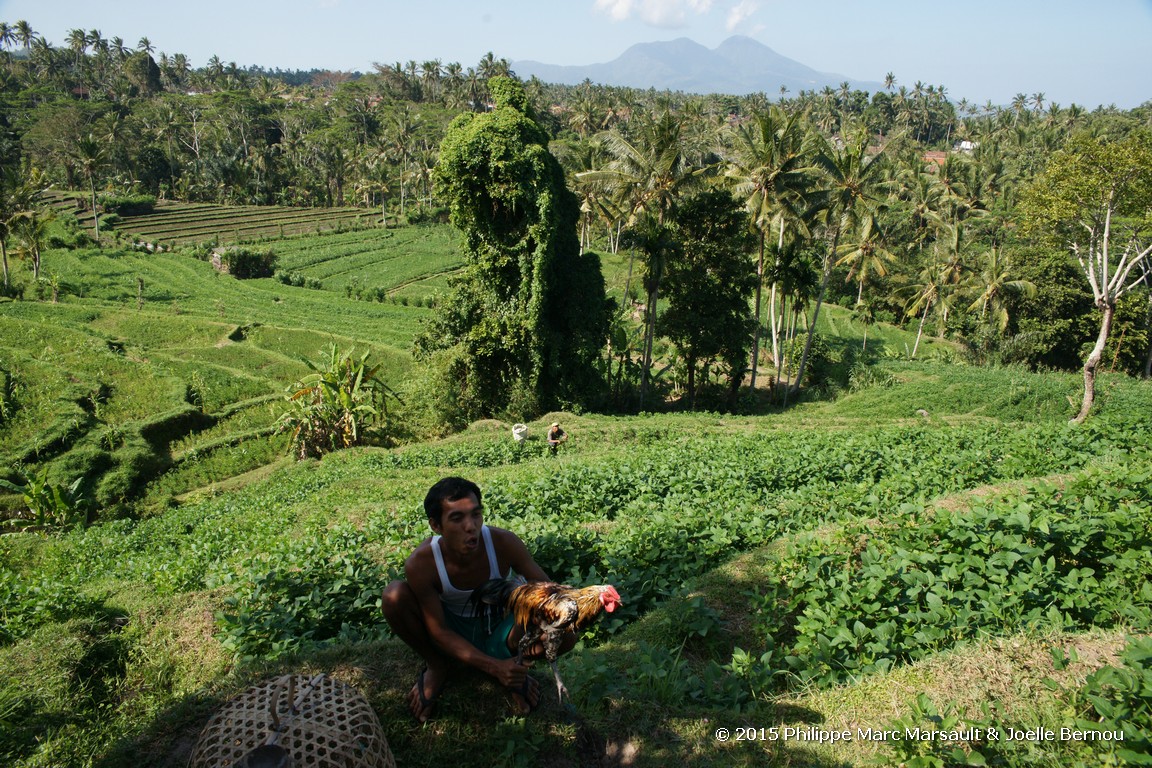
[741, 13]
[658, 13]
[619, 10]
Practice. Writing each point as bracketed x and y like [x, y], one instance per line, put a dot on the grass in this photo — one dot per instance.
[412, 262]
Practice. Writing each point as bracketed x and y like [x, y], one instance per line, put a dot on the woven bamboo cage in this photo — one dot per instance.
[317, 721]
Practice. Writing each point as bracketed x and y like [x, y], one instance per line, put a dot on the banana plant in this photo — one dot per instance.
[332, 407]
[51, 506]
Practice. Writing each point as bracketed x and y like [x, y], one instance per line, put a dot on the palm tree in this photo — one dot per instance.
[651, 168]
[31, 231]
[798, 281]
[214, 69]
[25, 34]
[20, 189]
[920, 298]
[924, 195]
[584, 116]
[866, 254]
[454, 74]
[90, 155]
[431, 73]
[769, 167]
[864, 312]
[597, 201]
[48, 63]
[78, 41]
[1019, 104]
[852, 184]
[118, 49]
[992, 284]
[402, 133]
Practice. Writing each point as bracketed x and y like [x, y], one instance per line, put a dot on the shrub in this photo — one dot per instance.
[1120, 701]
[1107, 724]
[424, 215]
[201, 251]
[306, 601]
[9, 396]
[128, 205]
[290, 278]
[244, 263]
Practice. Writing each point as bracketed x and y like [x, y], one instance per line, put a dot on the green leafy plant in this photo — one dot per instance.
[246, 263]
[9, 396]
[914, 748]
[1120, 700]
[303, 599]
[336, 405]
[128, 204]
[923, 581]
[51, 506]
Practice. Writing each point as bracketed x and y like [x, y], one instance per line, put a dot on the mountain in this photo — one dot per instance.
[739, 65]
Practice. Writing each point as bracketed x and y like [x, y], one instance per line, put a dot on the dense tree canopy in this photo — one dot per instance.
[709, 284]
[903, 202]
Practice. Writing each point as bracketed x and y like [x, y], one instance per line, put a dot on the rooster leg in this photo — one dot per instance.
[561, 690]
[530, 637]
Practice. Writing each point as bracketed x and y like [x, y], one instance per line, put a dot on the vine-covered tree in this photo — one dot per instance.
[528, 319]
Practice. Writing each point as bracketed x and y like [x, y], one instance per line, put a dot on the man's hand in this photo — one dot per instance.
[510, 674]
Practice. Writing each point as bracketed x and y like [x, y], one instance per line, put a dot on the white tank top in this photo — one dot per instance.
[457, 600]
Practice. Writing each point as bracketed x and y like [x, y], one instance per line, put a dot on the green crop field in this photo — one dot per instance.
[173, 223]
[934, 549]
[815, 570]
[412, 261]
[182, 223]
[155, 363]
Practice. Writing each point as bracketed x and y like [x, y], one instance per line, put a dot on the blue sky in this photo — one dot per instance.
[1090, 53]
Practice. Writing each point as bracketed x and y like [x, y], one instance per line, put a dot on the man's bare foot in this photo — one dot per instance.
[526, 698]
[422, 698]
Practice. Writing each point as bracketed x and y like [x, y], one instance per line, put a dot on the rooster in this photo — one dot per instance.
[546, 611]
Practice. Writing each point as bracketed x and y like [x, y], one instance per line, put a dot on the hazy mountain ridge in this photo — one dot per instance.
[739, 65]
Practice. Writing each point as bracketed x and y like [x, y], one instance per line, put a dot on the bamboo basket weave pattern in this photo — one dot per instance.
[318, 720]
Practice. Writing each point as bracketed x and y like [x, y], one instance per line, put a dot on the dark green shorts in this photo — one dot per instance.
[475, 631]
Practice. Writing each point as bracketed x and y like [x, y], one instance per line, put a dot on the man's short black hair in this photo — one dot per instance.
[448, 489]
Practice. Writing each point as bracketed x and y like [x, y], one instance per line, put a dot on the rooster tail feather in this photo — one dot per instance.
[489, 599]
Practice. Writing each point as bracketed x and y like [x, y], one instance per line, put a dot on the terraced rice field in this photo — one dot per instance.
[411, 261]
[182, 223]
[175, 223]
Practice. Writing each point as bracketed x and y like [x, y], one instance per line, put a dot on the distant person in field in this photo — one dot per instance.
[556, 435]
